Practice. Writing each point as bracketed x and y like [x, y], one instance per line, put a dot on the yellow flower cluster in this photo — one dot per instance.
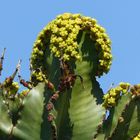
[37, 76]
[103, 47]
[135, 90]
[60, 37]
[112, 96]
[137, 137]
[12, 88]
[37, 54]
[63, 41]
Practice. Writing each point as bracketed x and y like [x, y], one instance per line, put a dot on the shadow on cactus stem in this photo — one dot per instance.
[63, 121]
[90, 55]
[45, 124]
[97, 91]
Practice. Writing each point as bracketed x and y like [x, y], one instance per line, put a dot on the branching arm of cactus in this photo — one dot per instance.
[1, 61]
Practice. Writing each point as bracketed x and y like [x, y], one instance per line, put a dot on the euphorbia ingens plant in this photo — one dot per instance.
[62, 99]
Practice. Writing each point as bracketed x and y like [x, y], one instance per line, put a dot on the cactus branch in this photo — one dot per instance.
[123, 120]
[1, 60]
[100, 127]
[17, 69]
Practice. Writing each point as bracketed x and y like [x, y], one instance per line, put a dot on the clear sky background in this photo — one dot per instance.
[21, 21]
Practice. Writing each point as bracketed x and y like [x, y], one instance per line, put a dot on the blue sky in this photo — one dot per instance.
[21, 21]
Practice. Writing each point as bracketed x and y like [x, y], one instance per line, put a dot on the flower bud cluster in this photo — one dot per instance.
[103, 47]
[112, 96]
[37, 76]
[60, 36]
[37, 55]
[63, 41]
[12, 88]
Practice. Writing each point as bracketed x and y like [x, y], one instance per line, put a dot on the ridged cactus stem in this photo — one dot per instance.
[123, 121]
[100, 126]
[66, 82]
[50, 108]
[124, 118]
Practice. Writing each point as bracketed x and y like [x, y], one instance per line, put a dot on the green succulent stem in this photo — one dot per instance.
[63, 99]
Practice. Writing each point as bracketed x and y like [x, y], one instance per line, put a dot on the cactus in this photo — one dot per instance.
[63, 100]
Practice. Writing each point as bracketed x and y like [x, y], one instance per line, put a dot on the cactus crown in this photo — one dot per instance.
[60, 37]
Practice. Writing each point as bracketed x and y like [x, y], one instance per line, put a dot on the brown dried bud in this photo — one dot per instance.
[50, 117]
[55, 96]
[50, 85]
[24, 83]
[49, 106]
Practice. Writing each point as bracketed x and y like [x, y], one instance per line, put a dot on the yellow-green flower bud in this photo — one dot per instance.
[111, 101]
[113, 93]
[66, 57]
[106, 96]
